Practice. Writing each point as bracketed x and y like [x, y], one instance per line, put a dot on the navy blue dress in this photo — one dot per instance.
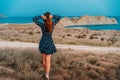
[46, 44]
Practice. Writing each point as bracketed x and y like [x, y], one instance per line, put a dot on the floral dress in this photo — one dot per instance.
[46, 44]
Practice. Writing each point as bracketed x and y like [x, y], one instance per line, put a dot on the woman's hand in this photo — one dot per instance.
[51, 16]
[43, 17]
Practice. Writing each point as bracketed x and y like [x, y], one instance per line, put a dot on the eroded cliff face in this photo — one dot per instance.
[91, 20]
[86, 20]
[65, 22]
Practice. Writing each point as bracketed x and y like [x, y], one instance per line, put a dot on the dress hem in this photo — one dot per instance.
[47, 53]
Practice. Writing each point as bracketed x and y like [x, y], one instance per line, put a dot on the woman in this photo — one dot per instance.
[46, 45]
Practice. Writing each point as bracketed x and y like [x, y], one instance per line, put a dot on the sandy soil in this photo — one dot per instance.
[70, 36]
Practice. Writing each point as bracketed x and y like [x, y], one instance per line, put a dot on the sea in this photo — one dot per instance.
[27, 20]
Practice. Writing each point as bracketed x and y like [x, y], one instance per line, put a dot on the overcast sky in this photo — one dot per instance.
[61, 7]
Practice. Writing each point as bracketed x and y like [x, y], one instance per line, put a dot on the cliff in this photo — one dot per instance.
[95, 20]
[86, 20]
[65, 22]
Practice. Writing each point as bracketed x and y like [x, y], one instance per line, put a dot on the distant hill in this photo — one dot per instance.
[86, 20]
[2, 16]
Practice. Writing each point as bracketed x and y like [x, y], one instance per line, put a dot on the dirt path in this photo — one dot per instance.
[61, 46]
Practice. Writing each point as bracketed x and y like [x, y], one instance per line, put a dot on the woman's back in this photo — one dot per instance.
[46, 44]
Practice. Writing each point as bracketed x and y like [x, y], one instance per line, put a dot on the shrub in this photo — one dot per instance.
[68, 35]
[30, 33]
[66, 65]
[112, 40]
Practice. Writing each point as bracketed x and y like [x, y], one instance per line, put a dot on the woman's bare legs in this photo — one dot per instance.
[46, 62]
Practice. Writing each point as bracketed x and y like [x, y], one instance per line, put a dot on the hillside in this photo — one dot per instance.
[86, 20]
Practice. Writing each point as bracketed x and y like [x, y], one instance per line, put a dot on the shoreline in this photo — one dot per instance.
[61, 35]
[69, 27]
[86, 21]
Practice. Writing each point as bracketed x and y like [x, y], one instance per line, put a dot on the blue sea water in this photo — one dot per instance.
[16, 20]
[98, 27]
[101, 27]
[24, 20]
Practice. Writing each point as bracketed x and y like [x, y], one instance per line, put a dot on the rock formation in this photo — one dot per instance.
[75, 19]
[95, 20]
[65, 22]
[86, 20]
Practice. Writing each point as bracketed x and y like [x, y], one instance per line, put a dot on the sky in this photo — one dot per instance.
[60, 7]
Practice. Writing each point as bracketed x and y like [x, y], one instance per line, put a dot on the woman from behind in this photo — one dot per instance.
[46, 44]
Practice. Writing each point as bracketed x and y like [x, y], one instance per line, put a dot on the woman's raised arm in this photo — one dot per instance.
[36, 20]
[56, 19]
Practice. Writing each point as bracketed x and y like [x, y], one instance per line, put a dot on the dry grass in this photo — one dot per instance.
[25, 64]
[32, 33]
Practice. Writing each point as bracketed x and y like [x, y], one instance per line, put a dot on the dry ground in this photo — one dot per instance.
[32, 33]
[67, 64]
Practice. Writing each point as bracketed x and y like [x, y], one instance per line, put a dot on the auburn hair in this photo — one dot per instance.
[48, 22]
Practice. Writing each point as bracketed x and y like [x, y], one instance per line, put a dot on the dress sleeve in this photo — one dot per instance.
[36, 21]
[56, 19]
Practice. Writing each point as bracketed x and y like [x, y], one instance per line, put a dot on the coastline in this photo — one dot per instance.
[29, 32]
[72, 36]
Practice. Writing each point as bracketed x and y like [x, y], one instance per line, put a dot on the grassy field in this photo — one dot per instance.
[25, 64]
[32, 33]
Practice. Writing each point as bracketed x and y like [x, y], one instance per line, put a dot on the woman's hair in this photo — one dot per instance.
[48, 22]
